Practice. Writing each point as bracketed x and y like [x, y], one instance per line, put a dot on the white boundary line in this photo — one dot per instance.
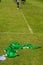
[29, 28]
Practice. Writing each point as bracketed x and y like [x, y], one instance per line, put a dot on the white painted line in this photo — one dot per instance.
[29, 28]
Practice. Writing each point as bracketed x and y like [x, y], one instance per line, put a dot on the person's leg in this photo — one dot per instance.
[17, 4]
[23, 1]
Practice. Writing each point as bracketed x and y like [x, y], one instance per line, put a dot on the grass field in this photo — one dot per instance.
[25, 26]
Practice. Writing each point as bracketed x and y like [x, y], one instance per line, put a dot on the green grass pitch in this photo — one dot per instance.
[18, 25]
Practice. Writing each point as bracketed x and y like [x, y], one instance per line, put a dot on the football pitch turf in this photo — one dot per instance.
[24, 25]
